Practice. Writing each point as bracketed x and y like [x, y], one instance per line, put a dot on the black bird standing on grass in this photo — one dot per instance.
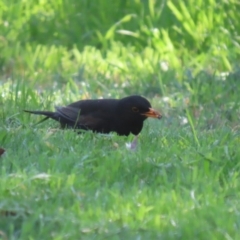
[123, 116]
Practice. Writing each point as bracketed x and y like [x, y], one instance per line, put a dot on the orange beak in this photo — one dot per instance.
[153, 113]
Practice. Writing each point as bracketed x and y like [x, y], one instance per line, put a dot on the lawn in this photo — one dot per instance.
[182, 181]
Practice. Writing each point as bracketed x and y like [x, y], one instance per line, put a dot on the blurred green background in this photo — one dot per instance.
[199, 34]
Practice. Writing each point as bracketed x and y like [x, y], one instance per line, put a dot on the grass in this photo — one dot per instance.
[182, 182]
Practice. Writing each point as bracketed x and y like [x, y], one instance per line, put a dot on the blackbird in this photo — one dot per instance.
[123, 116]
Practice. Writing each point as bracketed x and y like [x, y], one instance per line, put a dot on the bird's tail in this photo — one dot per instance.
[48, 114]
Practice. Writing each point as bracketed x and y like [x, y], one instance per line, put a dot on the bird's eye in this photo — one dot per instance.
[134, 109]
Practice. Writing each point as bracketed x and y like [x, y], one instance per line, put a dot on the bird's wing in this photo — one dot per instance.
[74, 116]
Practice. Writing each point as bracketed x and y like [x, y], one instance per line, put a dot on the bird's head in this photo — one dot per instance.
[137, 107]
